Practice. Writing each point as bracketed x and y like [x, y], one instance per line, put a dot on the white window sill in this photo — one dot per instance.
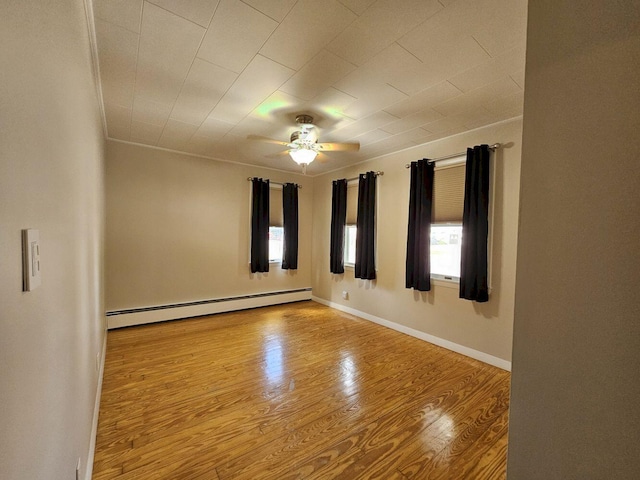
[446, 283]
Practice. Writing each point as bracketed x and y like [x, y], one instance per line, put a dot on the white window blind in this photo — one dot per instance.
[276, 217]
[448, 194]
[352, 203]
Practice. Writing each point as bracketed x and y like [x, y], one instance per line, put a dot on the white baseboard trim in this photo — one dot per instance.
[140, 316]
[469, 352]
[96, 412]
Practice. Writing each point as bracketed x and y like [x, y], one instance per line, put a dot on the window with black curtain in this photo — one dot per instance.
[365, 267]
[418, 262]
[259, 225]
[290, 213]
[338, 219]
[475, 226]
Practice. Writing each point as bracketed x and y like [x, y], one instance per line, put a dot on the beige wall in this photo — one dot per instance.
[51, 179]
[575, 382]
[483, 327]
[178, 229]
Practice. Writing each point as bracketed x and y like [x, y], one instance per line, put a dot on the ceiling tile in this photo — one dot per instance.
[145, 133]
[276, 9]
[379, 26]
[391, 63]
[385, 146]
[260, 79]
[511, 61]
[317, 75]
[117, 53]
[235, 35]
[251, 125]
[443, 28]
[214, 129]
[357, 6]
[279, 109]
[331, 102]
[518, 77]
[443, 125]
[444, 42]
[480, 116]
[205, 85]
[414, 135]
[404, 71]
[446, 59]
[305, 31]
[147, 111]
[197, 11]
[382, 96]
[176, 134]
[425, 99]
[479, 97]
[412, 121]
[125, 13]
[501, 25]
[365, 125]
[371, 137]
[168, 44]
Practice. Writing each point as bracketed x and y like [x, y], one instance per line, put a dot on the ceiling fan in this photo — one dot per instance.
[303, 145]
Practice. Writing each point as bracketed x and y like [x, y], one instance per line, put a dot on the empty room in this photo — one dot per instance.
[305, 239]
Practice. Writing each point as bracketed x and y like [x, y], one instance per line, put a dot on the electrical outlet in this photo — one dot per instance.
[345, 295]
[98, 362]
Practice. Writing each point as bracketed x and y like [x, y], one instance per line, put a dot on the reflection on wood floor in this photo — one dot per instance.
[298, 391]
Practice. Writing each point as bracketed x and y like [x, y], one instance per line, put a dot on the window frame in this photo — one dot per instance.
[347, 229]
[492, 205]
[449, 279]
[276, 260]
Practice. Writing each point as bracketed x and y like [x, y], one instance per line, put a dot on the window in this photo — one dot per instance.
[446, 227]
[276, 237]
[276, 224]
[350, 245]
[351, 229]
[446, 240]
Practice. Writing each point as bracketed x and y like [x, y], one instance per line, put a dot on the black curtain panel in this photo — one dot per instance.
[260, 225]
[366, 232]
[418, 265]
[338, 220]
[475, 226]
[290, 222]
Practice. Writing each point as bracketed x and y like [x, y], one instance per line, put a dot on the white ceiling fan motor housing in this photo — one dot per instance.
[305, 136]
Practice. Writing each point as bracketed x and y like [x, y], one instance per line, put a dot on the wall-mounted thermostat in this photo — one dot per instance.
[30, 259]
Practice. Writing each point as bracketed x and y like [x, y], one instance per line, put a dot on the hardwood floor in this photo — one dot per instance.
[298, 391]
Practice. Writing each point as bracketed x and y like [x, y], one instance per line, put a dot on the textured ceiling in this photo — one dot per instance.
[198, 76]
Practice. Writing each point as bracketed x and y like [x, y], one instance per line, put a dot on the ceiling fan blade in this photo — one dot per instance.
[337, 147]
[283, 153]
[260, 138]
[322, 158]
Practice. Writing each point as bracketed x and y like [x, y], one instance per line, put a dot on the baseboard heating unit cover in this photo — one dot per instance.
[160, 313]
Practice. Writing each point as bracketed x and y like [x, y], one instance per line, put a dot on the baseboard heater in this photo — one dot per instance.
[161, 313]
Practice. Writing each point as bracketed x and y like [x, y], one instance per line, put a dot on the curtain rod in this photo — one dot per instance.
[275, 183]
[493, 147]
[376, 174]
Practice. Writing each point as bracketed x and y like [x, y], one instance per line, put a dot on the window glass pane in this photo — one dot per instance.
[350, 244]
[276, 237]
[446, 241]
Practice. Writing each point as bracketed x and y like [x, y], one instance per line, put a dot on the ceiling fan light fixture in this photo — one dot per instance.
[303, 156]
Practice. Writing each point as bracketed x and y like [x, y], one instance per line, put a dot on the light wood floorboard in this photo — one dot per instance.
[297, 391]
